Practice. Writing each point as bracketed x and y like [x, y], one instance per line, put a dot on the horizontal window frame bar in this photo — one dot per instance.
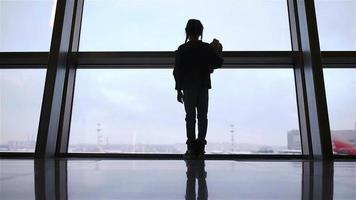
[338, 59]
[339, 66]
[8, 155]
[160, 60]
[345, 158]
[348, 55]
[26, 155]
[181, 156]
[23, 66]
[157, 66]
[166, 59]
[11, 60]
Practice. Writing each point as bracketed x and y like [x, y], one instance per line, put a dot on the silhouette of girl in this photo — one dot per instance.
[195, 60]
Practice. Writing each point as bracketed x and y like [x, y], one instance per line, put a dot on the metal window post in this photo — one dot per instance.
[300, 86]
[67, 101]
[313, 113]
[58, 73]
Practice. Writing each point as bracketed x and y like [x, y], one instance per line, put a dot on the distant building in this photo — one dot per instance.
[293, 138]
[25, 146]
[345, 135]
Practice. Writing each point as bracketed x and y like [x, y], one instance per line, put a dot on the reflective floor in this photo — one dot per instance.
[175, 179]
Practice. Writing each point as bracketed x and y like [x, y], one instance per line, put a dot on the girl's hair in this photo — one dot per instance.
[194, 27]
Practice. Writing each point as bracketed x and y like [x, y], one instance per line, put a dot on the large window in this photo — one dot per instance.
[158, 25]
[21, 92]
[336, 24]
[26, 25]
[135, 110]
[341, 98]
[247, 107]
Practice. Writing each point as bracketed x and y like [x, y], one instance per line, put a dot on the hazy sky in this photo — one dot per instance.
[158, 25]
[139, 105]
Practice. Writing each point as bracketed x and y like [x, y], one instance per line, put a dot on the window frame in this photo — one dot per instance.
[64, 55]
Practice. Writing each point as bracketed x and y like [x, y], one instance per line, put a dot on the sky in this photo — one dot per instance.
[138, 106]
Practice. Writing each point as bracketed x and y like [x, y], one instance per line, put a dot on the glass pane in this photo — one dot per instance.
[336, 24]
[21, 92]
[341, 98]
[26, 25]
[158, 25]
[123, 110]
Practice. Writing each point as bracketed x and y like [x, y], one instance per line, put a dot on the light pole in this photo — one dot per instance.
[232, 137]
[99, 136]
